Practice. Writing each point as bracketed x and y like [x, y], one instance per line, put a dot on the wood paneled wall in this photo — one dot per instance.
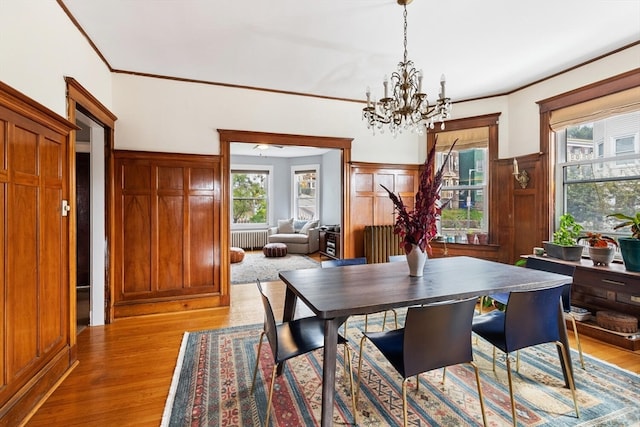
[36, 346]
[167, 220]
[370, 203]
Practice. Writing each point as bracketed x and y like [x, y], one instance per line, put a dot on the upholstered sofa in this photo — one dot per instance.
[301, 237]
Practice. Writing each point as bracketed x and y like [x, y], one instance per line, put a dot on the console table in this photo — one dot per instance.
[598, 288]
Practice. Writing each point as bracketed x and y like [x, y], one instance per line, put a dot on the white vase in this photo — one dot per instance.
[416, 259]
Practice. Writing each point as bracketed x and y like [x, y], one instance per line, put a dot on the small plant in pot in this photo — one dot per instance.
[629, 246]
[565, 238]
[601, 248]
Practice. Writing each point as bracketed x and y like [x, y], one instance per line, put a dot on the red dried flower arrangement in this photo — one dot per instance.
[418, 226]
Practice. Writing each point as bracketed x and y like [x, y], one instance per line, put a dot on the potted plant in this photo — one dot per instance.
[601, 248]
[565, 238]
[417, 227]
[629, 246]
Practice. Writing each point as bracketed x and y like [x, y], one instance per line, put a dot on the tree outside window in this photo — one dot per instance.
[250, 197]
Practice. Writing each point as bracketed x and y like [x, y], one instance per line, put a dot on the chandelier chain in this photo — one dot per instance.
[405, 33]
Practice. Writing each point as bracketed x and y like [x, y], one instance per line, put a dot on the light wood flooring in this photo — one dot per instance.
[125, 368]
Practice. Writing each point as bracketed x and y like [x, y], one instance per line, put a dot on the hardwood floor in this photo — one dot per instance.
[125, 368]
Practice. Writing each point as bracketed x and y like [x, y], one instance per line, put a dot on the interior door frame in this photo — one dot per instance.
[79, 97]
[229, 136]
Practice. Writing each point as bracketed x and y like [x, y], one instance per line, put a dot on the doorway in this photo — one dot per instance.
[90, 222]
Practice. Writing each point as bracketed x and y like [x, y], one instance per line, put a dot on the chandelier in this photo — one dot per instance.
[407, 108]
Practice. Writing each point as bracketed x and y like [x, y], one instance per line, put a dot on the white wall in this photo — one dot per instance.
[39, 46]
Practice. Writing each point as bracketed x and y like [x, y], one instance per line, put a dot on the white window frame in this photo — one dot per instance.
[270, 196]
[294, 200]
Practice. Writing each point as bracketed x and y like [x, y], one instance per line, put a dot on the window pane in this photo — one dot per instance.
[465, 211]
[250, 197]
[601, 173]
[305, 195]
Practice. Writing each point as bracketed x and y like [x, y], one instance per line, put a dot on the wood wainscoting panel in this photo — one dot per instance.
[370, 203]
[168, 233]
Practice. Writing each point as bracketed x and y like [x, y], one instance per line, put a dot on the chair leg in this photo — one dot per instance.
[567, 368]
[513, 402]
[484, 417]
[518, 361]
[418, 382]
[395, 317]
[366, 323]
[255, 370]
[384, 320]
[494, 359]
[444, 374]
[404, 403]
[347, 358]
[575, 332]
[273, 381]
[364, 337]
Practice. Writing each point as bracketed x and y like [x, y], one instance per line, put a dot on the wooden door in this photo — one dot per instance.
[36, 346]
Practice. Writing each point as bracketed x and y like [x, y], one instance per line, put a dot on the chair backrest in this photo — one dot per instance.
[397, 258]
[531, 318]
[269, 321]
[438, 335]
[342, 262]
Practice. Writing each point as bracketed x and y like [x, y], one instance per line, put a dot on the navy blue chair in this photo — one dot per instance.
[434, 336]
[397, 258]
[502, 298]
[357, 261]
[530, 319]
[295, 338]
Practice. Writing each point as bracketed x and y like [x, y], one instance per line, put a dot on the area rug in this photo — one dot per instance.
[257, 266]
[213, 377]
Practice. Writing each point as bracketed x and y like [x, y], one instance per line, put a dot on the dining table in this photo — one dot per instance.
[334, 294]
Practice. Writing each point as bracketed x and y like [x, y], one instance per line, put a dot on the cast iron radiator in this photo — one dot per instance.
[249, 239]
[380, 242]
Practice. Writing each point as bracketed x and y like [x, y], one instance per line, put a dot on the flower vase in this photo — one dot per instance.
[416, 259]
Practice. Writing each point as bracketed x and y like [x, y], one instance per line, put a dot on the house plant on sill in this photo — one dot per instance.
[601, 248]
[629, 246]
[564, 244]
[417, 227]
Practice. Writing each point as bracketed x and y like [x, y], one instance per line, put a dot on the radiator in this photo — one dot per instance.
[249, 239]
[379, 242]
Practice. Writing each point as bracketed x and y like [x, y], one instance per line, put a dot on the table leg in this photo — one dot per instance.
[564, 339]
[290, 300]
[329, 370]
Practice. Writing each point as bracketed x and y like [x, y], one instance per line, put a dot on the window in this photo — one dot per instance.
[304, 191]
[250, 195]
[464, 183]
[598, 164]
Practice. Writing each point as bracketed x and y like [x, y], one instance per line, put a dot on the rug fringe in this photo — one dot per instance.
[168, 407]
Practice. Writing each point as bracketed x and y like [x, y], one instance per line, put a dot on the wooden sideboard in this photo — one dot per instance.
[596, 288]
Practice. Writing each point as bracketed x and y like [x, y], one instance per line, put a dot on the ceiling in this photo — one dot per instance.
[336, 48]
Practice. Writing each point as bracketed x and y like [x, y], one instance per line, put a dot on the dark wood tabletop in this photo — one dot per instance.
[334, 294]
[370, 288]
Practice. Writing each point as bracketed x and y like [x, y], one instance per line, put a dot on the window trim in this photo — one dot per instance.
[294, 170]
[270, 201]
[491, 121]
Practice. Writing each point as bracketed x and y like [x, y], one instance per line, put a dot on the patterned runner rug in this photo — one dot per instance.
[213, 377]
[256, 266]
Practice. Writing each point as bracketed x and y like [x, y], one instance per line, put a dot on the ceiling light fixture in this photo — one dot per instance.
[408, 107]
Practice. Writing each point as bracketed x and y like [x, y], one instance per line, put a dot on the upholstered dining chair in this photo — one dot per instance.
[530, 319]
[434, 336]
[503, 298]
[357, 261]
[295, 338]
